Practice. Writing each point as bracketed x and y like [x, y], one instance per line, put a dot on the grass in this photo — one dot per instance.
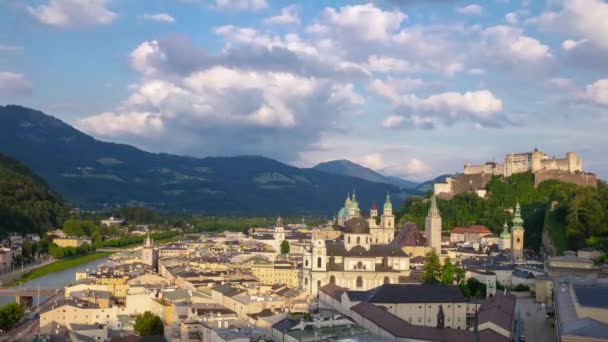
[57, 266]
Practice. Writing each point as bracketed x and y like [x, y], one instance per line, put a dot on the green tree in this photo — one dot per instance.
[447, 272]
[432, 269]
[10, 314]
[285, 247]
[149, 324]
[77, 227]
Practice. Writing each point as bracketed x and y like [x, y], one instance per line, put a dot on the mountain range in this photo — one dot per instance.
[348, 168]
[93, 174]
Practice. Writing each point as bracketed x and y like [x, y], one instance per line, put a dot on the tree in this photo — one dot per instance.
[285, 247]
[149, 324]
[432, 269]
[10, 314]
[447, 272]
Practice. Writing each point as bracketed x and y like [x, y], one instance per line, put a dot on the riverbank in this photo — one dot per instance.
[57, 266]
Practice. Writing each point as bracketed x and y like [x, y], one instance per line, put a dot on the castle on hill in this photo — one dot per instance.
[475, 177]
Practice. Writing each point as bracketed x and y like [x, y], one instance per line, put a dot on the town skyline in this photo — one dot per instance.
[391, 92]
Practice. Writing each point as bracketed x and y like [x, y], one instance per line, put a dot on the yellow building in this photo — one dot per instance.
[276, 273]
[71, 241]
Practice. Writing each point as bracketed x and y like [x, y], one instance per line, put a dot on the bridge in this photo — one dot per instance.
[27, 292]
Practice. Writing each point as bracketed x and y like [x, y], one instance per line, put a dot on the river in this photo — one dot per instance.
[56, 280]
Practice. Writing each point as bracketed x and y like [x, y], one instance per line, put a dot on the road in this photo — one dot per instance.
[28, 328]
[6, 277]
[536, 326]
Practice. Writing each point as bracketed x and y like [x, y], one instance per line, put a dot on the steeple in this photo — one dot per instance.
[517, 220]
[433, 211]
[148, 242]
[354, 199]
[387, 202]
[505, 232]
[279, 222]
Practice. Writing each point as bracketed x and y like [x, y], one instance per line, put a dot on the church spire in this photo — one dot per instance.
[433, 211]
[517, 220]
[148, 242]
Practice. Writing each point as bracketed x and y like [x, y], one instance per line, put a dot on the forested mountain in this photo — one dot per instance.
[91, 174]
[348, 168]
[574, 216]
[26, 202]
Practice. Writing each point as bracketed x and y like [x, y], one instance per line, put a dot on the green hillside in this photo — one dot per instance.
[26, 202]
[579, 217]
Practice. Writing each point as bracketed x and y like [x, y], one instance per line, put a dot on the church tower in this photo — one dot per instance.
[387, 221]
[373, 213]
[149, 254]
[279, 234]
[432, 226]
[517, 235]
[505, 238]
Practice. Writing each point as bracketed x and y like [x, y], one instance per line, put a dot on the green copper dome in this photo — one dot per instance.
[517, 220]
[505, 232]
[387, 203]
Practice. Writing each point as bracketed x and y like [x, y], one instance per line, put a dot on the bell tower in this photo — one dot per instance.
[517, 235]
[432, 226]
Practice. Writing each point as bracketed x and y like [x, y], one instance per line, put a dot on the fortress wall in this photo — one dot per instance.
[474, 169]
[582, 179]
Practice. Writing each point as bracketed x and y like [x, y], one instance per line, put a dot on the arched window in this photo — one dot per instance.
[349, 239]
[306, 262]
[385, 262]
[318, 284]
[319, 262]
[332, 280]
[387, 280]
[517, 240]
[359, 281]
[305, 281]
[358, 240]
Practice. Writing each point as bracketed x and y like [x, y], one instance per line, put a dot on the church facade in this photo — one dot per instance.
[364, 259]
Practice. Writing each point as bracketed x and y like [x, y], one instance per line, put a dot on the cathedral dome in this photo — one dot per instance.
[356, 225]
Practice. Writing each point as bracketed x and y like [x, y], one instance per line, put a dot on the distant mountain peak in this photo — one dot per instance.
[348, 168]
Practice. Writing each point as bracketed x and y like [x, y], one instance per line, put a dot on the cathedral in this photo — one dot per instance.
[364, 259]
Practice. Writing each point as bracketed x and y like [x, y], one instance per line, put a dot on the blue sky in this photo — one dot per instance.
[409, 88]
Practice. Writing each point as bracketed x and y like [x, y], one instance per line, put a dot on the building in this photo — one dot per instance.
[534, 161]
[112, 221]
[581, 310]
[276, 273]
[432, 226]
[411, 241]
[72, 241]
[472, 234]
[570, 264]
[517, 235]
[488, 278]
[150, 254]
[363, 260]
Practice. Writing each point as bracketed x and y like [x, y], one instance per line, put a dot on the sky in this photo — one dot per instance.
[409, 88]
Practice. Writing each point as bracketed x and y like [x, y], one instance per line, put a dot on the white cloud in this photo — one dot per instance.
[596, 93]
[585, 19]
[145, 57]
[390, 65]
[288, 15]
[366, 21]
[374, 161]
[409, 121]
[13, 84]
[570, 44]
[114, 124]
[472, 9]
[480, 104]
[160, 17]
[560, 83]
[417, 167]
[511, 18]
[73, 13]
[510, 43]
[241, 5]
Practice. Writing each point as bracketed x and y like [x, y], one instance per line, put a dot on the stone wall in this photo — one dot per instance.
[582, 179]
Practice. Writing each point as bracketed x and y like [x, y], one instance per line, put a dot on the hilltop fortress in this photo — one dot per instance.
[476, 177]
[534, 161]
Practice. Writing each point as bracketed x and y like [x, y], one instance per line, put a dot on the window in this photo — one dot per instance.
[358, 240]
[305, 281]
[386, 280]
[419, 320]
[517, 240]
[319, 262]
[359, 281]
[306, 262]
[318, 284]
[332, 280]
[359, 265]
[349, 239]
